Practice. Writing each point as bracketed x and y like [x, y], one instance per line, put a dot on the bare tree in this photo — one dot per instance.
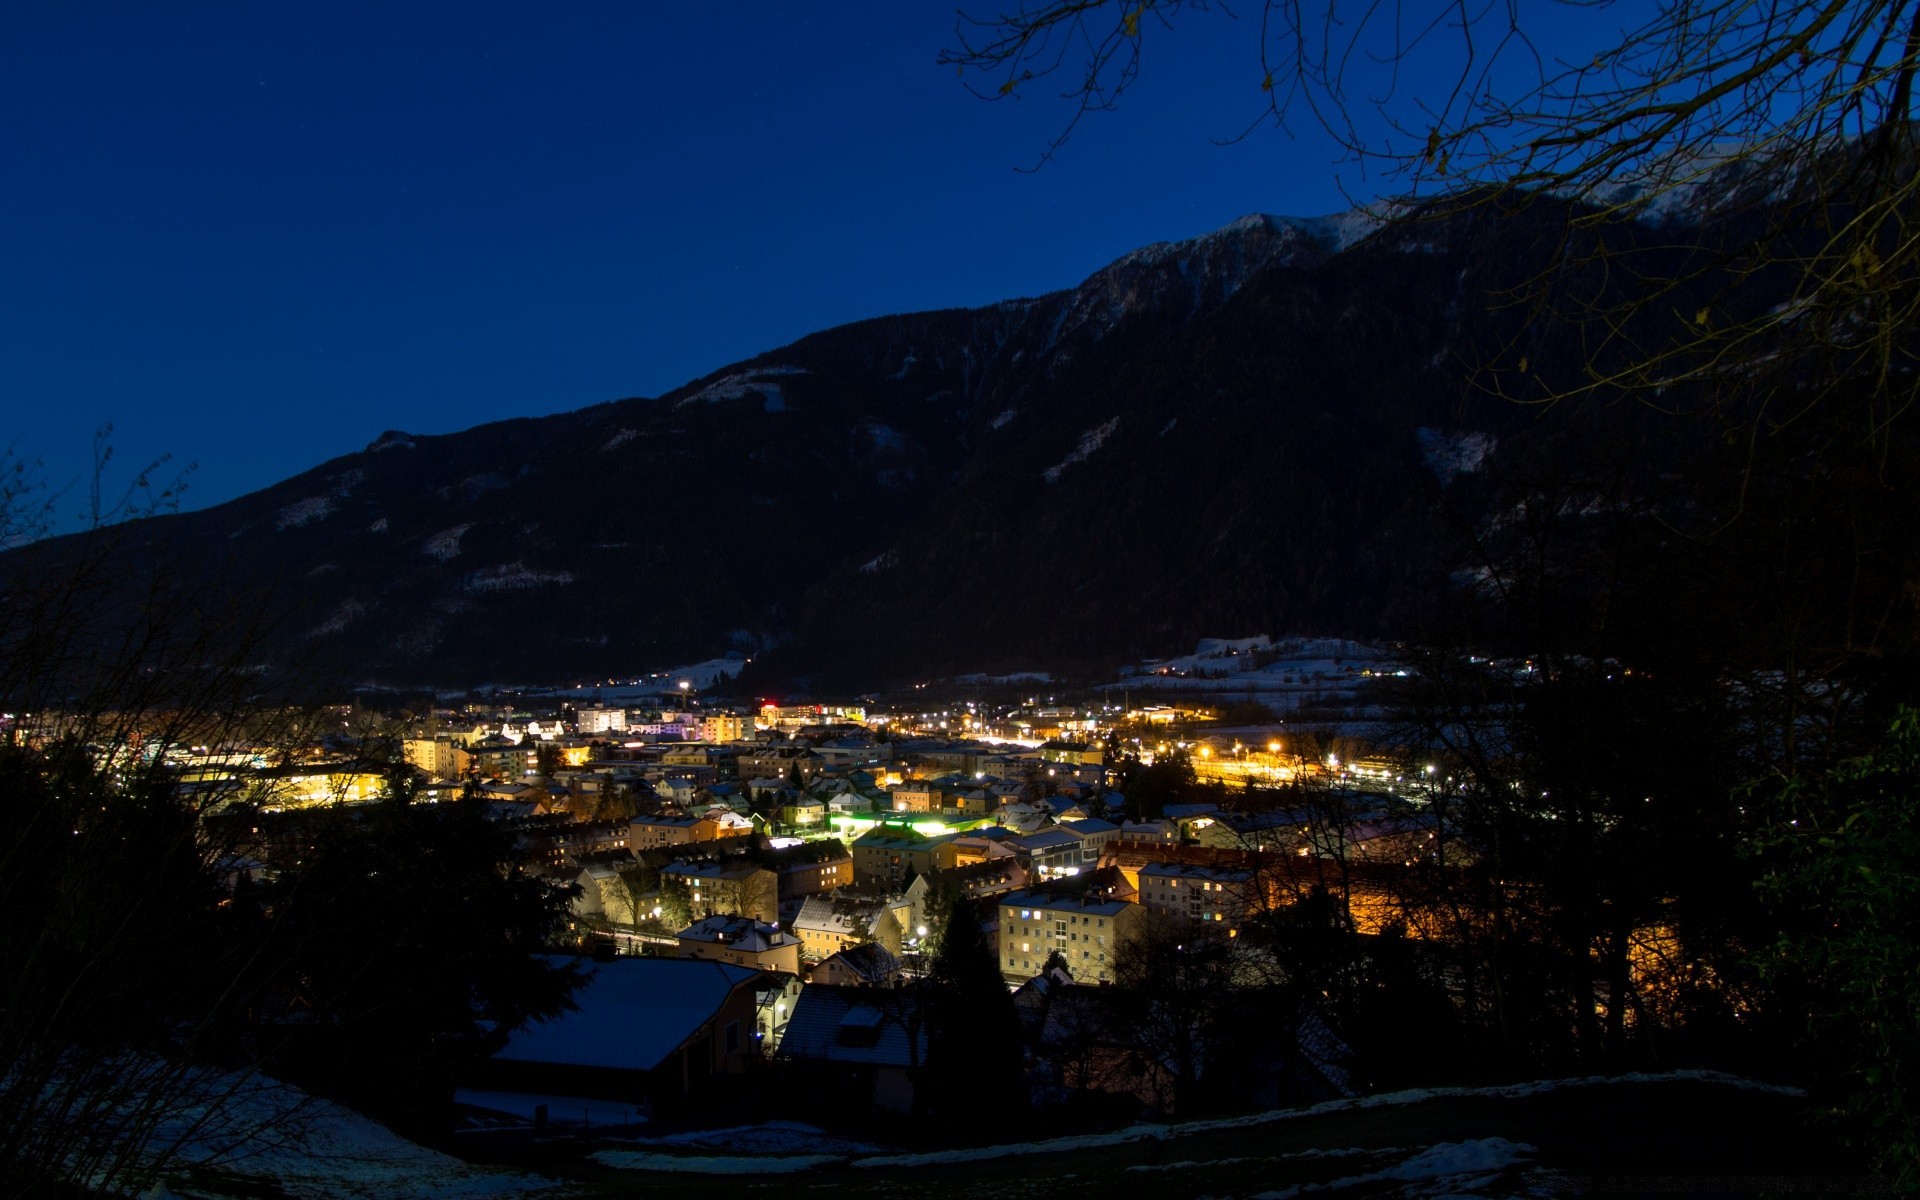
[1788, 123]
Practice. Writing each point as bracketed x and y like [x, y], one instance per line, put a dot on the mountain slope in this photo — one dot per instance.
[1240, 432]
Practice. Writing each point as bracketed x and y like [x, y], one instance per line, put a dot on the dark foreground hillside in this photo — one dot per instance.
[1661, 1135]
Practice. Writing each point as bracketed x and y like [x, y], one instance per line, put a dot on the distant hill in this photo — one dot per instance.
[1246, 432]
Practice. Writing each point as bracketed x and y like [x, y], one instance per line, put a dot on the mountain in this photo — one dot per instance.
[1245, 432]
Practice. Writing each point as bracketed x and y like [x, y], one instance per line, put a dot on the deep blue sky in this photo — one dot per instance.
[256, 235]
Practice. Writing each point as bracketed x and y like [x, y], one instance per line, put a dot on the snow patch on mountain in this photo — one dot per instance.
[302, 513]
[392, 439]
[512, 577]
[879, 563]
[884, 437]
[342, 616]
[742, 384]
[1089, 442]
[1001, 420]
[1449, 454]
[619, 439]
[445, 544]
[379, 526]
[475, 486]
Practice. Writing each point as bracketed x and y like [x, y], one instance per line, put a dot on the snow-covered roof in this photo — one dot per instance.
[855, 1025]
[630, 1014]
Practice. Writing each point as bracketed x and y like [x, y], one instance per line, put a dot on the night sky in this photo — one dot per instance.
[256, 235]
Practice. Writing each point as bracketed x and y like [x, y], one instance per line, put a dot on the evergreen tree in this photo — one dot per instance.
[974, 1051]
[415, 931]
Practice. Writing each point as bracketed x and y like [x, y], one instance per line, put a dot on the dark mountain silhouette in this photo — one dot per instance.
[1246, 432]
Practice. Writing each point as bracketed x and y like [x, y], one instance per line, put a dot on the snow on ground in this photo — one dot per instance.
[571, 1111]
[768, 1137]
[1089, 442]
[1450, 1168]
[1017, 677]
[698, 676]
[619, 439]
[1344, 1152]
[1137, 1133]
[259, 1133]
[640, 1160]
[1001, 419]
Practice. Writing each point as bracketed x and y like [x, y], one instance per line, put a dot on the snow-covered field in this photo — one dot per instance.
[255, 1136]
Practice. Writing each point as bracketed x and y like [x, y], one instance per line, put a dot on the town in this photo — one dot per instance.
[766, 888]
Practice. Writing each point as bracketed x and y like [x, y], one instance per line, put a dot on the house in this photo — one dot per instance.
[915, 797]
[659, 1033]
[1054, 852]
[1094, 834]
[743, 942]
[867, 965]
[670, 829]
[1193, 892]
[676, 790]
[604, 893]
[565, 845]
[1086, 930]
[774, 999]
[744, 889]
[858, 1045]
[780, 762]
[812, 867]
[975, 881]
[803, 812]
[886, 855]
[826, 926]
[678, 830]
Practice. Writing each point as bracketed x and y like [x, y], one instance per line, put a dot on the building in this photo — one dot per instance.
[780, 762]
[1085, 930]
[729, 889]
[1192, 892]
[656, 1033]
[868, 965]
[915, 797]
[864, 1045]
[432, 756]
[604, 891]
[600, 720]
[726, 727]
[813, 867]
[649, 833]
[308, 785]
[826, 927]
[886, 855]
[742, 942]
